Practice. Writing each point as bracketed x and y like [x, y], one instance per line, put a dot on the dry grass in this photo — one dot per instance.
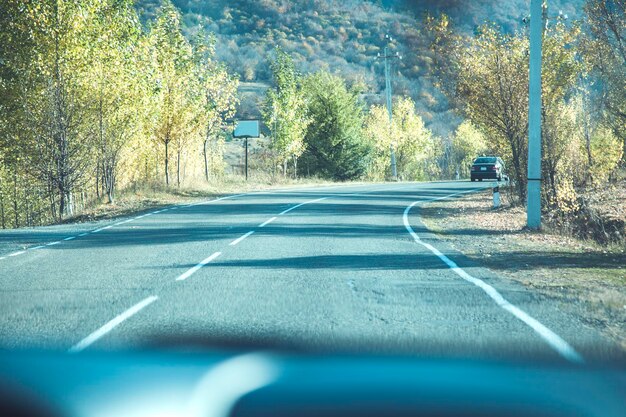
[137, 199]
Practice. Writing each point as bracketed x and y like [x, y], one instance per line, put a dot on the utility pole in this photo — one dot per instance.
[533, 211]
[538, 25]
[387, 57]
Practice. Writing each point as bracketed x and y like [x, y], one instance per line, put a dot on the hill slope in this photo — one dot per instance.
[343, 37]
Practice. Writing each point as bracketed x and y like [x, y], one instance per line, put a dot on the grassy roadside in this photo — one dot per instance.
[146, 198]
[586, 278]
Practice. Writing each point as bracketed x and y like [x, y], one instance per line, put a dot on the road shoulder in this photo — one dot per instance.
[585, 279]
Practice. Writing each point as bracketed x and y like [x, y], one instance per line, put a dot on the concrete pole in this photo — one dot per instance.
[394, 172]
[534, 117]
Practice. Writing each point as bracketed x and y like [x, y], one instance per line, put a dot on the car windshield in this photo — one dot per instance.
[286, 174]
[485, 161]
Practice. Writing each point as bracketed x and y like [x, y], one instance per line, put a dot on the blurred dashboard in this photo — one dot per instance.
[220, 383]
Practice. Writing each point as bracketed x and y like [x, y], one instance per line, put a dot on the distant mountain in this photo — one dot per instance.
[342, 36]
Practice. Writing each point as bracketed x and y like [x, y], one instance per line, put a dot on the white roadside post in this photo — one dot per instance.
[496, 197]
[533, 213]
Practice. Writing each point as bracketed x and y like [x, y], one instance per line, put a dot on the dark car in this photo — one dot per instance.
[487, 167]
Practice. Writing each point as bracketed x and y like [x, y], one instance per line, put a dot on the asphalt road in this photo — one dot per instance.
[343, 268]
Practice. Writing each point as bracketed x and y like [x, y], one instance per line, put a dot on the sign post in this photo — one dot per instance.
[246, 129]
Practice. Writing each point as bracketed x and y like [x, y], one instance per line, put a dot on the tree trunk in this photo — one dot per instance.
[167, 163]
[28, 213]
[109, 180]
[60, 129]
[519, 175]
[15, 207]
[69, 203]
[623, 163]
[178, 168]
[295, 167]
[206, 160]
[98, 179]
[51, 195]
[2, 216]
[110, 195]
[101, 131]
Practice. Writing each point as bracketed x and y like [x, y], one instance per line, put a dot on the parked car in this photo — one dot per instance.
[487, 167]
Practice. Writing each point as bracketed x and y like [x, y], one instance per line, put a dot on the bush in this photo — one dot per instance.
[606, 152]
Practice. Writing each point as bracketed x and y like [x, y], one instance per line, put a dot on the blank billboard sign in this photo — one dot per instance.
[247, 129]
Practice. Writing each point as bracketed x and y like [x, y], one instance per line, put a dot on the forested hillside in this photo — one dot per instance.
[344, 37]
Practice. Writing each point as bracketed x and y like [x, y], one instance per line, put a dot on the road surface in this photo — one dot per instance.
[345, 267]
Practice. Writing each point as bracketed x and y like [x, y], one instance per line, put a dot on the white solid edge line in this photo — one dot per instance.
[234, 242]
[193, 270]
[301, 204]
[266, 222]
[37, 247]
[554, 340]
[93, 337]
[70, 238]
[53, 243]
[17, 253]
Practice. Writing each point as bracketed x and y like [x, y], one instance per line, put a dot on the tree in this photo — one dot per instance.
[605, 47]
[334, 141]
[58, 130]
[285, 111]
[113, 42]
[467, 143]
[560, 74]
[493, 90]
[172, 68]
[606, 150]
[83, 91]
[412, 141]
[218, 89]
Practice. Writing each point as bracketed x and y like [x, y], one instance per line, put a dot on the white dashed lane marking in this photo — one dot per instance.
[193, 270]
[93, 337]
[300, 205]
[266, 222]
[236, 241]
